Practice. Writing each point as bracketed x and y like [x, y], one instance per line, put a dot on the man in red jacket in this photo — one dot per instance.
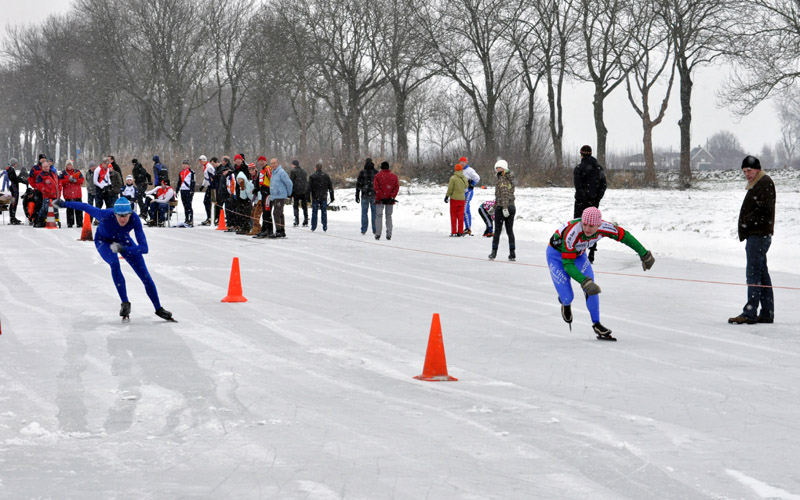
[386, 188]
[47, 182]
[71, 181]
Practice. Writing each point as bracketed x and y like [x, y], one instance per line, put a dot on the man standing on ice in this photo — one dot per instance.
[113, 237]
[567, 259]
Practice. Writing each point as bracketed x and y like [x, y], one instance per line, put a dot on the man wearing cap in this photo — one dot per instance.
[159, 171]
[456, 195]
[756, 226]
[387, 186]
[47, 180]
[209, 185]
[71, 181]
[10, 182]
[365, 195]
[112, 239]
[590, 186]
[299, 187]
[187, 180]
[567, 260]
[319, 187]
[159, 207]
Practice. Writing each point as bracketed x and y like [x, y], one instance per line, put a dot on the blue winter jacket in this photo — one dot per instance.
[280, 187]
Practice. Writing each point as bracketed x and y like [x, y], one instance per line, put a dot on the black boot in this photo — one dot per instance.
[512, 254]
[164, 314]
[125, 309]
[493, 254]
[566, 314]
[602, 332]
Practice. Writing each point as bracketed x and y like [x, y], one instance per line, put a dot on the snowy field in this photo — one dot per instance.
[307, 391]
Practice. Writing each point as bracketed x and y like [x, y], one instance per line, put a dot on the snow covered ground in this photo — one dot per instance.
[307, 390]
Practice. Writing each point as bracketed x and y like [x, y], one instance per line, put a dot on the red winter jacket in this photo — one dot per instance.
[47, 183]
[71, 190]
[386, 187]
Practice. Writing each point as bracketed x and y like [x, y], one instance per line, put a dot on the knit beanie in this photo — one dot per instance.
[751, 162]
[592, 217]
[385, 165]
[586, 149]
[156, 158]
[459, 167]
[501, 164]
[238, 157]
[463, 159]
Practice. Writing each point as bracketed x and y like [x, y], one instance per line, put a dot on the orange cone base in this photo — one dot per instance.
[229, 298]
[437, 378]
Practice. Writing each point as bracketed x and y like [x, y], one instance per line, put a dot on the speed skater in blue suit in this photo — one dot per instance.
[113, 238]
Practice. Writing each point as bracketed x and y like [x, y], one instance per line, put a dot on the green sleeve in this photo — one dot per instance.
[572, 270]
[633, 243]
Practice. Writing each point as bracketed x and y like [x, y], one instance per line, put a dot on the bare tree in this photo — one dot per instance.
[726, 149]
[470, 42]
[232, 44]
[653, 59]
[699, 33]
[608, 28]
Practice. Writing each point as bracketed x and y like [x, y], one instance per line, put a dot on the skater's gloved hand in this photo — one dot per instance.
[117, 247]
[590, 287]
[58, 203]
[358, 198]
[505, 212]
[648, 260]
[71, 179]
[446, 199]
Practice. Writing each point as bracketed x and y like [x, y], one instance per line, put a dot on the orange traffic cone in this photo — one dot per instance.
[221, 226]
[86, 232]
[435, 369]
[235, 284]
[51, 218]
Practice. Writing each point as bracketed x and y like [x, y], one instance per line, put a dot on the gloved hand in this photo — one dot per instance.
[117, 247]
[331, 199]
[446, 199]
[72, 179]
[647, 260]
[58, 203]
[358, 198]
[505, 213]
[590, 287]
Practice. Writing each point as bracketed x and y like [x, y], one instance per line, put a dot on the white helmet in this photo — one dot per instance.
[501, 164]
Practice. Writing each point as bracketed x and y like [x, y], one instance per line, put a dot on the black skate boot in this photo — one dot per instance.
[493, 254]
[125, 311]
[512, 255]
[164, 314]
[602, 332]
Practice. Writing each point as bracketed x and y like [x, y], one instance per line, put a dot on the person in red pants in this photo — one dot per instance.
[456, 190]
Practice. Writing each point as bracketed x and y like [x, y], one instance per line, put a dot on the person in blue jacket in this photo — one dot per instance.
[279, 190]
[113, 237]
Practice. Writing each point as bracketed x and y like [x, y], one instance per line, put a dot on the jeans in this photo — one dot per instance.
[467, 212]
[301, 200]
[367, 204]
[323, 205]
[757, 273]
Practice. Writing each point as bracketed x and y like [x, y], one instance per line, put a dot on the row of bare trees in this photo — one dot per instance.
[343, 79]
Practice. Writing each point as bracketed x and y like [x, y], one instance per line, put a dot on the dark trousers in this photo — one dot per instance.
[208, 199]
[321, 205]
[300, 201]
[508, 222]
[580, 206]
[757, 273]
[74, 216]
[277, 215]
[12, 207]
[266, 218]
[186, 200]
[487, 219]
[140, 189]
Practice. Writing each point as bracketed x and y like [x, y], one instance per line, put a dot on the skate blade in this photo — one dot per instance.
[606, 338]
[126, 319]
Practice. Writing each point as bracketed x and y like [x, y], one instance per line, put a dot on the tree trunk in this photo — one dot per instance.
[400, 126]
[599, 125]
[555, 130]
[685, 125]
[649, 158]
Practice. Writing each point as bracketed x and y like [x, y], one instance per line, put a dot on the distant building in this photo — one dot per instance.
[701, 159]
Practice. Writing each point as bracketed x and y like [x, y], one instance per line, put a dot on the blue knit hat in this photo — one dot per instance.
[122, 207]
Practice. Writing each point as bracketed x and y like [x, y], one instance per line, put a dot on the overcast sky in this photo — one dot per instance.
[625, 131]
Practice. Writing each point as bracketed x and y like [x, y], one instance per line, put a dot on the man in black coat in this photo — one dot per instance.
[756, 226]
[590, 186]
[319, 185]
[13, 181]
[141, 177]
[365, 194]
[299, 180]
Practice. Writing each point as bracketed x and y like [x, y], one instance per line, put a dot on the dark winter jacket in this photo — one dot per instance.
[319, 185]
[299, 179]
[365, 187]
[504, 190]
[222, 174]
[13, 181]
[757, 216]
[159, 172]
[116, 180]
[386, 187]
[140, 175]
[590, 181]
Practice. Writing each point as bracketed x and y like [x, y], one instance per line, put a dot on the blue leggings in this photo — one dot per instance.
[467, 212]
[137, 263]
[563, 282]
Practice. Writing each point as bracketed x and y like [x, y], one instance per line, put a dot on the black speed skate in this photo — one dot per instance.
[164, 314]
[125, 311]
[566, 315]
[602, 332]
